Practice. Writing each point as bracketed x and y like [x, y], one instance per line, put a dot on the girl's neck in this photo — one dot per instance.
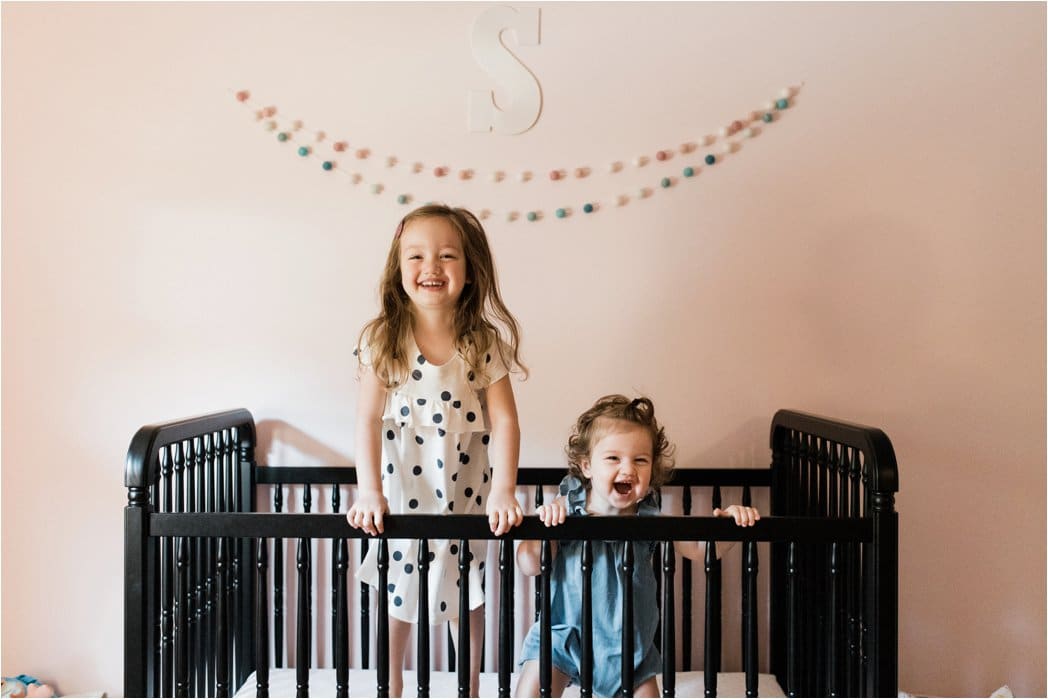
[435, 335]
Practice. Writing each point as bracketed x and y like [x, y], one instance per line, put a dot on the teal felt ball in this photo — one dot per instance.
[588, 208]
[711, 159]
[688, 171]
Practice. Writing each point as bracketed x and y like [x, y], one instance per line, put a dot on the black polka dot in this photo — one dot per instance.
[389, 434]
[471, 376]
[421, 401]
[464, 458]
[441, 433]
[413, 503]
[405, 411]
[356, 352]
[432, 556]
[471, 555]
[408, 568]
[485, 439]
[470, 417]
[397, 555]
[440, 463]
[469, 492]
[443, 606]
[454, 548]
[445, 395]
[417, 470]
[417, 375]
[485, 478]
[456, 404]
[389, 468]
[397, 601]
[454, 477]
[391, 587]
[479, 499]
[438, 418]
[481, 566]
[422, 360]
[440, 493]
[451, 506]
[418, 439]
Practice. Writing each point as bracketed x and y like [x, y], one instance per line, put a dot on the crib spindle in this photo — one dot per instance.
[506, 573]
[278, 584]
[307, 507]
[166, 587]
[462, 647]
[181, 618]
[545, 625]
[222, 620]
[341, 646]
[833, 605]
[336, 503]
[422, 628]
[669, 650]
[627, 619]
[712, 640]
[157, 615]
[365, 612]
[199, 657]
[302, 622]
[685, 584]
[208, 505]
[261, 622]
[539, 498]
[792, 622]
[586, 669]
[749, 616]
[854, 665]
[382, 630]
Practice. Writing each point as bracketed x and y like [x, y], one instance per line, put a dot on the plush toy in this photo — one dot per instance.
[24, 686]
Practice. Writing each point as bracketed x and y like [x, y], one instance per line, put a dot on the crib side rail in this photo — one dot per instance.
[193, 465]
[834, 609]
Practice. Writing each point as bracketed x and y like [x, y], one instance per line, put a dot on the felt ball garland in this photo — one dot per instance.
[709, 152]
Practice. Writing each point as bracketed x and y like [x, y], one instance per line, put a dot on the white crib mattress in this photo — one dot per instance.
[445, 684]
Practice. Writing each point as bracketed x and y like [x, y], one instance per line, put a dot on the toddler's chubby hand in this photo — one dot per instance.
[504, 512]
[743, 516]
[553, 513]
[366, 513]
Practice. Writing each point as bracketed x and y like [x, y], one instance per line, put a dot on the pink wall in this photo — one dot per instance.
[878, 255]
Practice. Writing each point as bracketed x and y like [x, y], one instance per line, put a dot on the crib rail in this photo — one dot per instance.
[198, 605]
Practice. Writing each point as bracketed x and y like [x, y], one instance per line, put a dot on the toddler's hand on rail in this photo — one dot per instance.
[504, 512]
[553, 513]
[366, 513]
[743, 516]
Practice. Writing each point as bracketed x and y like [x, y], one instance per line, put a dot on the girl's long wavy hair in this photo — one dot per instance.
[481, 318]
[595, 423]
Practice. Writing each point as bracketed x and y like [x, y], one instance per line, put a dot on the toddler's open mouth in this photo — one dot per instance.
[623, 487]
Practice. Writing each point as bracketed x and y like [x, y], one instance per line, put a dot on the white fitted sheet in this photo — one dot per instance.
[445, 684]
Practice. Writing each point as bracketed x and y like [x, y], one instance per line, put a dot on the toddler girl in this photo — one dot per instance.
[435, 399]
[618, 455]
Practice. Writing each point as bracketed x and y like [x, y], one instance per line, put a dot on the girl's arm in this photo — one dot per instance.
[503, 509]
[696, 550]
[366, 512]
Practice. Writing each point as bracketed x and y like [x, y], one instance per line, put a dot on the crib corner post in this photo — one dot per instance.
[246, 500]
[883, 598]
[139, 573]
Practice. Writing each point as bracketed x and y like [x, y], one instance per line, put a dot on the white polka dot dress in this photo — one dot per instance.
[435, 434]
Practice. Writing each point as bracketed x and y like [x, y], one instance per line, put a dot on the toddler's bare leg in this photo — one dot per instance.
[398, 641]
[476, 646]
[647, 688]
[528, 683]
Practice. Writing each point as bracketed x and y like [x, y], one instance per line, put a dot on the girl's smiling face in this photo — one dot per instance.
[432, 263]
[619, 468]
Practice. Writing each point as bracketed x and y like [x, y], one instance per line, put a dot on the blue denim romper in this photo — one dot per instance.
[566, 605]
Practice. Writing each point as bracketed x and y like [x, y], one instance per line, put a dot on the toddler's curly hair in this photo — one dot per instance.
[598, 421]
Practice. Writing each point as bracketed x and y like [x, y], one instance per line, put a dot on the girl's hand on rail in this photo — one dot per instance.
[743, 516]
[503, 511]
[553, 513]
[366, 513]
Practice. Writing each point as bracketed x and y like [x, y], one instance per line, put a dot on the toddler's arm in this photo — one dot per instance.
[696, 550]
[503, 509]
[366, 512]
[529, 553]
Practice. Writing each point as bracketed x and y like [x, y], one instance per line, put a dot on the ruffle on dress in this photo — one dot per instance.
[573, 490]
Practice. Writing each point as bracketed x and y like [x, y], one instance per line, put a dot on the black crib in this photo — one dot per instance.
[198, 589]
